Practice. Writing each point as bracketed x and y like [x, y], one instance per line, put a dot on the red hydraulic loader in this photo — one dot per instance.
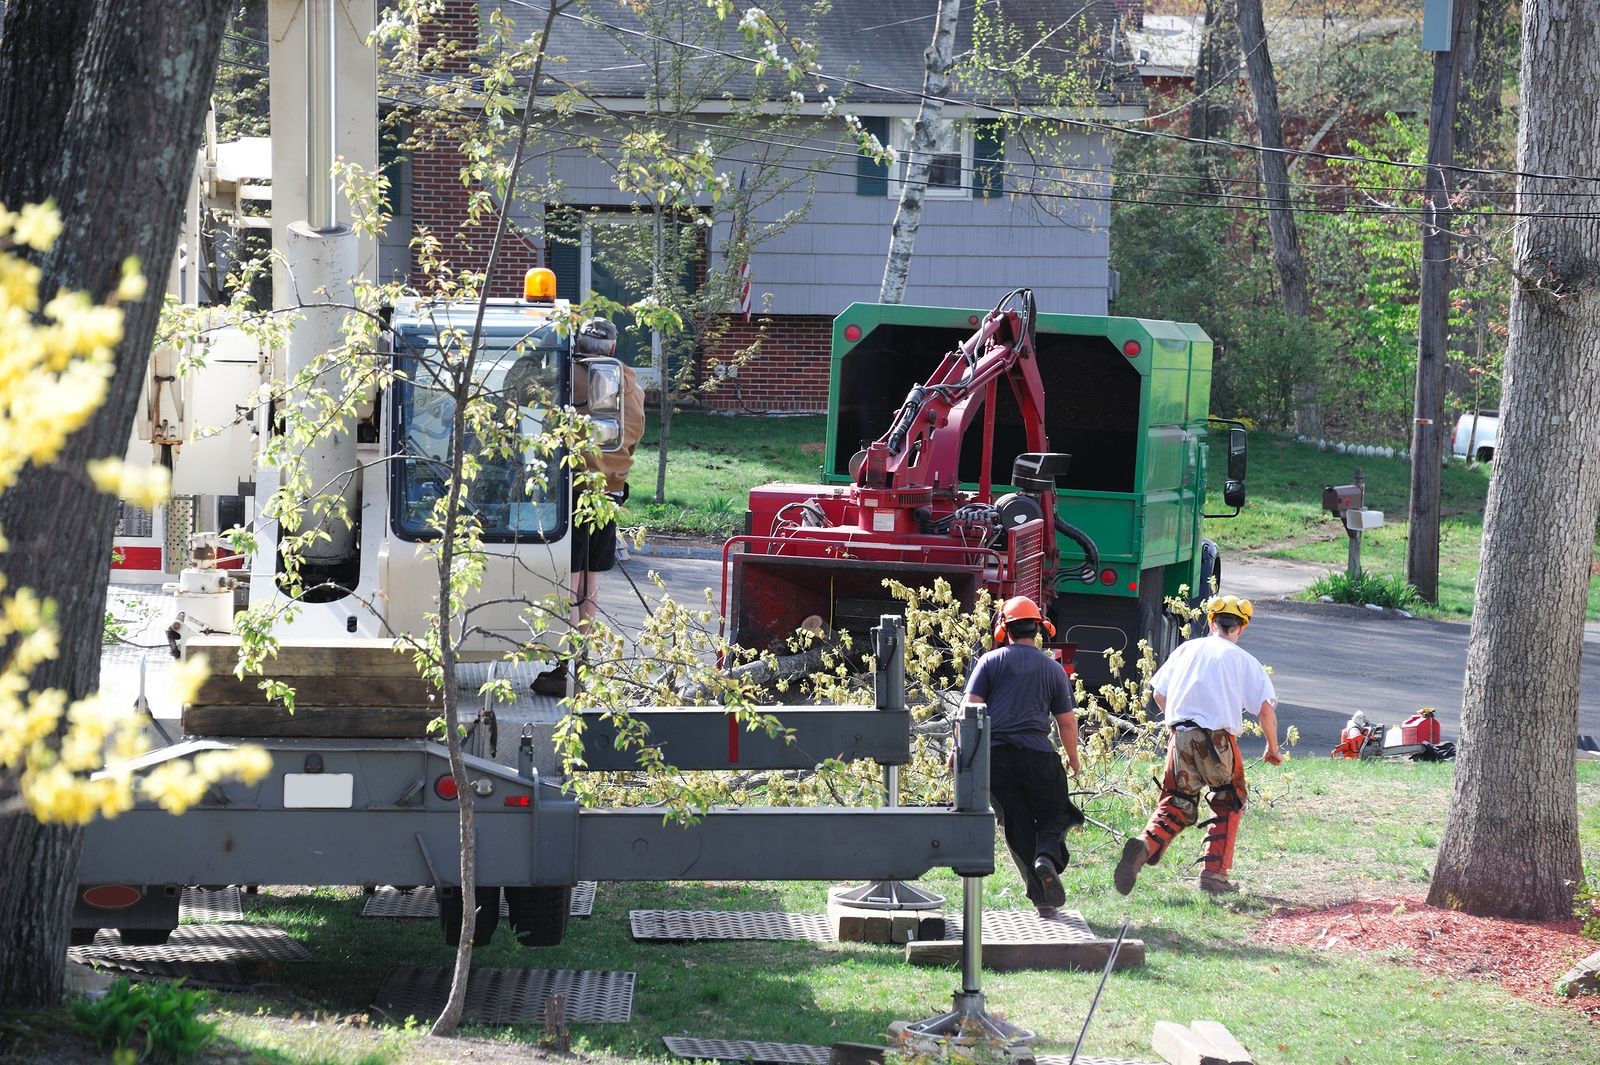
[947, 456]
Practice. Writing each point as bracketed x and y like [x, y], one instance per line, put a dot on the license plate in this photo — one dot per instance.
[319, 791]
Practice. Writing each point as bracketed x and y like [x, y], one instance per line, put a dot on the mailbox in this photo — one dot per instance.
[1359, 520]
[1336, 499]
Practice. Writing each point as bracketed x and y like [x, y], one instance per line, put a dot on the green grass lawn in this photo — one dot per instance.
[1319, 832]
[715, 460]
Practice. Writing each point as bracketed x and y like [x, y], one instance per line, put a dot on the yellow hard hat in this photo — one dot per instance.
[1229, 604]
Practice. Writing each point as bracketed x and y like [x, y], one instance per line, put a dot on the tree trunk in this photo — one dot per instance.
[1286, 253]
[908, 215]
[101, 105]
[1510, 847]
[1216, 86]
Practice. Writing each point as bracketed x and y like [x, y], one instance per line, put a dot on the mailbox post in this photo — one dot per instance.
[1345, 502]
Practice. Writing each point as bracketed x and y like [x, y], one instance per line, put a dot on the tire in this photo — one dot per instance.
[1156, 624]
[539, 914]
[144, 937]
[488, 901]
[82, 937]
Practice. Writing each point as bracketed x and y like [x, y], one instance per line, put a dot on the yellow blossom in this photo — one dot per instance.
[132, 287]
[36, 226]
[148, 486]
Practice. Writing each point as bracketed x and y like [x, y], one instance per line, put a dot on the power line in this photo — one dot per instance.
[1224, 200]
[1105, 127]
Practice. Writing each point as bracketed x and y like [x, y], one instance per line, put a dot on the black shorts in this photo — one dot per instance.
[594, 550]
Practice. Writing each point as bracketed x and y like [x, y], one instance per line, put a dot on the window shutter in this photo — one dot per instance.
[988, 159]
[562, 231]
[872, 177]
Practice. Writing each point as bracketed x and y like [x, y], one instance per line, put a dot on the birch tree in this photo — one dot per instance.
[919, 158]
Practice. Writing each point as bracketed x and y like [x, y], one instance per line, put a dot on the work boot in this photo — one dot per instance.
[1134, 853]
[1048, 913]
[1217, 884]
[1049, 882]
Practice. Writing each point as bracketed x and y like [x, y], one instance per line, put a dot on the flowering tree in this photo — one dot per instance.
[87, 88]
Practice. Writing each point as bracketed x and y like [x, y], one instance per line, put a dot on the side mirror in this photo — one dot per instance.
[1233, 487]
[605, 392]
[1237, 439]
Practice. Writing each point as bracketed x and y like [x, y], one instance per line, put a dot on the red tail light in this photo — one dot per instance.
[445, 787]
[1108, 577]
[112, 896]
[519, 800]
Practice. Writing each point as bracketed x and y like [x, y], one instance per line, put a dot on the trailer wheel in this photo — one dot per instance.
[488, 902]
[539, 914]
[144, 937]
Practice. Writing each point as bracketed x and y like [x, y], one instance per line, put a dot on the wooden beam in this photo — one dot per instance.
[1088, 955]
[343, 722]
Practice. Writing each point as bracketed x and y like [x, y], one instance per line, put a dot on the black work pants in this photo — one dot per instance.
[1028, 790]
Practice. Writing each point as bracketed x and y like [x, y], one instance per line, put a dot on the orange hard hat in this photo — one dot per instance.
[1019, 608]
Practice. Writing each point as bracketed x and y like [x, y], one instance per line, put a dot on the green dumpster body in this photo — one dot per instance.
[1127, 398]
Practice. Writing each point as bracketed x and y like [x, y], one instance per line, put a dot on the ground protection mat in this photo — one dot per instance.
[758, 1053]
[200, 906]
[1026, 926]
[420, 902]
[208, 952]
[510, 996]
[683, 926]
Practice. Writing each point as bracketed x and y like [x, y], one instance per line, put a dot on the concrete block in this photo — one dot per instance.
[1089, 954]
[1178, 1045]
[1202, 1043]
[1581, 979]
[1222, 1042]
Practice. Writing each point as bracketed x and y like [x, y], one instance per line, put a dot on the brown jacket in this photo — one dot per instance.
[615, 464]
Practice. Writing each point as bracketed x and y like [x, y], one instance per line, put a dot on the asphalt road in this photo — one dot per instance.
[1326, 661]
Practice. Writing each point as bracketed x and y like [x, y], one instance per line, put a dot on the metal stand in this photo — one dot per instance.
[890, 894]
[968, 1022]
[889, 690]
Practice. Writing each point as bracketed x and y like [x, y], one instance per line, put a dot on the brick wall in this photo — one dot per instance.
[439, 199]
[790, 373]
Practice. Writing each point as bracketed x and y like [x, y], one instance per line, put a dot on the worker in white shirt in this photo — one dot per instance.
[1204, 688]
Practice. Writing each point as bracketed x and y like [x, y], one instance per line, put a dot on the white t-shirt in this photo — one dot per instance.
[1211, 681]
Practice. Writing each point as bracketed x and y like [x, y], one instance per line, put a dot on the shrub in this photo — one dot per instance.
[160, 1020]
[1380, 589]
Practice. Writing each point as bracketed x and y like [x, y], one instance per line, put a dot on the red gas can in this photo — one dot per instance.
[1420, 727]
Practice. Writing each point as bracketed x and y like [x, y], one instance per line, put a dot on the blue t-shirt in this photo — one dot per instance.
[1025, 688]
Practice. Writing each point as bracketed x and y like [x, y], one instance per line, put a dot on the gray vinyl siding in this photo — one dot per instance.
[969, 252]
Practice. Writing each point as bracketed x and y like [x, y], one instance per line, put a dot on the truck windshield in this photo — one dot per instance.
[517, 496]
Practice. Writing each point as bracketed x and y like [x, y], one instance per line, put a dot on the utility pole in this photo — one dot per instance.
[1444, 23]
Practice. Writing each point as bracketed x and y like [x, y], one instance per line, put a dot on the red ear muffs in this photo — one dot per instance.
[1001, 636]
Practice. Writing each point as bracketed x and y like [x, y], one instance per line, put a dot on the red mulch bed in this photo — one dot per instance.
[1526, 957]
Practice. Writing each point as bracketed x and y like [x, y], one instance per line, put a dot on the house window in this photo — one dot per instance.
[591, 251]
[947, 169]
